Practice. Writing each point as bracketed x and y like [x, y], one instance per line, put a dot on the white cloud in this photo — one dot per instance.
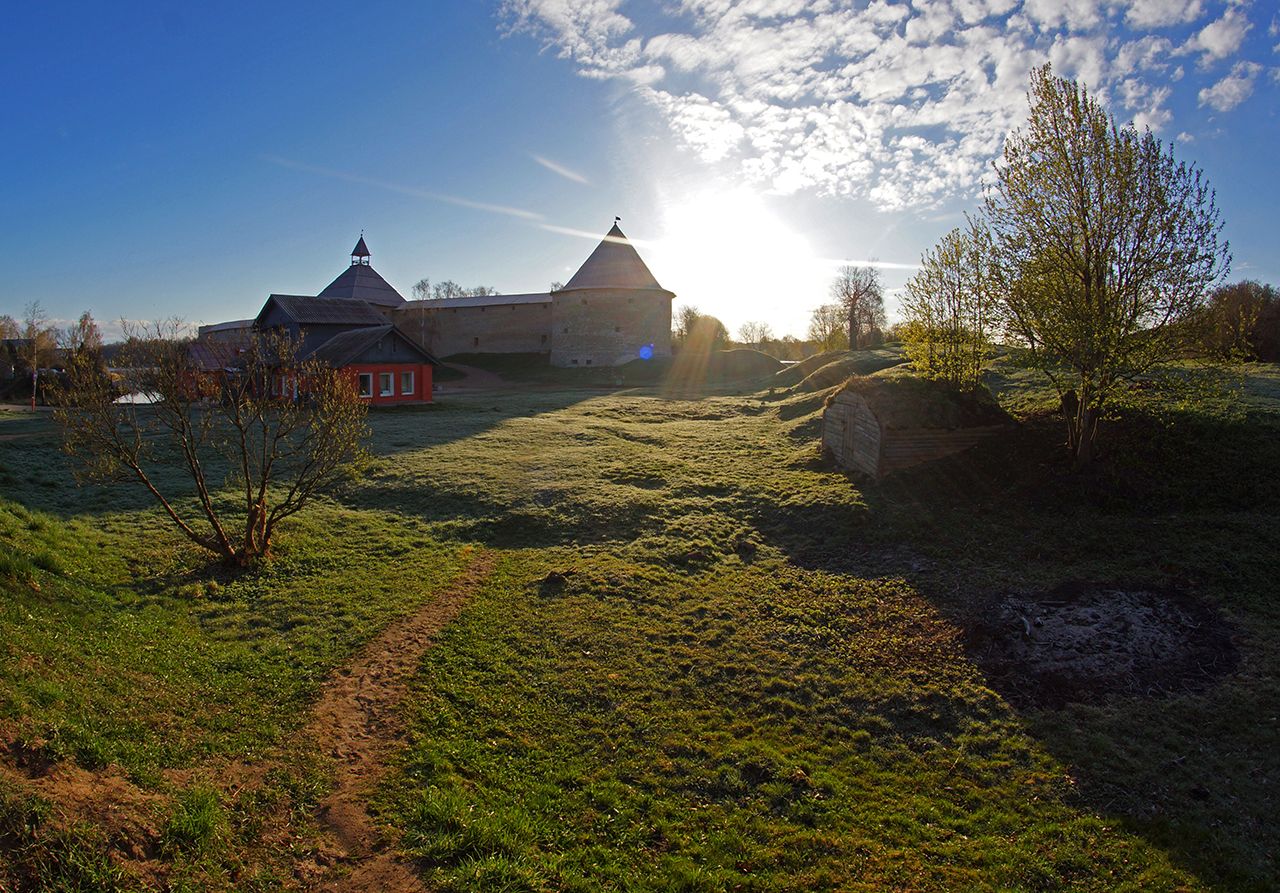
[1233, 89]
[905, 103]
[1221, 38]
[1162, 13]
[562, 171]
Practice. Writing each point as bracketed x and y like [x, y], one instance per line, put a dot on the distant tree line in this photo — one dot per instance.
[33, 346]
[424, 290]
[1241, 321]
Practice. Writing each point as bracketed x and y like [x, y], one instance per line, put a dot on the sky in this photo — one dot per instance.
[185, 160]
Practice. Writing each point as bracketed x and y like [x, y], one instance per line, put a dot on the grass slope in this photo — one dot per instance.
[749, 676]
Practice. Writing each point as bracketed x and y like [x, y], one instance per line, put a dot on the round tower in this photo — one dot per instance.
[612, 311]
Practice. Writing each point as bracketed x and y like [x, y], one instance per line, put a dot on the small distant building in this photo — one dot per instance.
[346, 327]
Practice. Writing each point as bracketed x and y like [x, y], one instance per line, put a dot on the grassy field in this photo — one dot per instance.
[748, 670]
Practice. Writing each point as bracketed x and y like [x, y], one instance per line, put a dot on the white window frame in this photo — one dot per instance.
[366, 385]
[384, 385]
[406, 376]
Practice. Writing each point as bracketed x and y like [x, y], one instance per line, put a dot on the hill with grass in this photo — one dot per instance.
[650, 639]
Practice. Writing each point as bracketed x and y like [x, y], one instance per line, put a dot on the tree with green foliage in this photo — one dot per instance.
[697, 332]
[1242, 321]
[1106, 246]
[225, 459]
[949, 309]
[827, 328]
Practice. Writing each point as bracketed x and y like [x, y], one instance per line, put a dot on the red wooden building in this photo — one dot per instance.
[345, 328]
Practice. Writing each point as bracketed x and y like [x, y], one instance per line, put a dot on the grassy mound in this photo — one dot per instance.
[901, 399]
[830, 369]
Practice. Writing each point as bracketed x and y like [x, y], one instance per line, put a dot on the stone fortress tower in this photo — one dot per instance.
[611, 312]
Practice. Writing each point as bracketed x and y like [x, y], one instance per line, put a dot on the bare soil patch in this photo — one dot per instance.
[357, 723]
[1083, 642]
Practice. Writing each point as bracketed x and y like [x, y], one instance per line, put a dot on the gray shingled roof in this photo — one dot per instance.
[614, 264]
[346, 347]
[362, 282]
[325, 311]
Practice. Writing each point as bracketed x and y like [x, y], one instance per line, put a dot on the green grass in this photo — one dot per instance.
[752, 677]
[643, 730]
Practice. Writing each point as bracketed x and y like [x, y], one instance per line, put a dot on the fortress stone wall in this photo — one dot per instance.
[608, 313]
[609, 326]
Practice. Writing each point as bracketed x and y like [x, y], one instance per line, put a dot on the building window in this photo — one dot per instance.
[482, 310]
[366, 384]
[475, 342]
[566, 330]
[617, 328]
[379, 347]
[406, 382]
[588, 362]
[544, 339]
[384, 384]
[394, 345]
[575, 362]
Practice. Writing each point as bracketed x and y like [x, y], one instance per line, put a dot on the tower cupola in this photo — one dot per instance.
[360, 254]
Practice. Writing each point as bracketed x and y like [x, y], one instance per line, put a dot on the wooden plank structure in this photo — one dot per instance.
[859, 440]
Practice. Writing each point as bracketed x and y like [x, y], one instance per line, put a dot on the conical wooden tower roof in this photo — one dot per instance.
[361, 282]
[614, 264]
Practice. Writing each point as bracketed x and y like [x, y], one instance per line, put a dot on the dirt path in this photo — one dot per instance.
[357, 722]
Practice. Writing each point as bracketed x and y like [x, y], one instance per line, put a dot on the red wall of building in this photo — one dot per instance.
[421, 381]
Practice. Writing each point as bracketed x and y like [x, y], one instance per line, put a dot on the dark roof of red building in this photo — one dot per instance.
[362, 283]
[614, 264]
[323, 310]
[345, 348]
[214, 356]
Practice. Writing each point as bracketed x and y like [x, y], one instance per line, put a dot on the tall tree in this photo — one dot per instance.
[827, 327]
[949, 308]
[1106, 245]
[83, 336]
[683, 319]
[859, 291]
[754, 332]
[225, 460]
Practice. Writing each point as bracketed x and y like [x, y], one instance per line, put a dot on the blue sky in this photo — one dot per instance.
[184, 159]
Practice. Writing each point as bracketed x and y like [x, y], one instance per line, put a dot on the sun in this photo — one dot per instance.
[727, 253]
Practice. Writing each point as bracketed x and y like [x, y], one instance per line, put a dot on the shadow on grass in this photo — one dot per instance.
[1181, 503]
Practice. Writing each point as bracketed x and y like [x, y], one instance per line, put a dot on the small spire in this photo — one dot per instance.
[360, 254]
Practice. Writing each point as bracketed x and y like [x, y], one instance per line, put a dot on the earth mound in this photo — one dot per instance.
[1083, 642]
[902, 400]
[829, 369]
